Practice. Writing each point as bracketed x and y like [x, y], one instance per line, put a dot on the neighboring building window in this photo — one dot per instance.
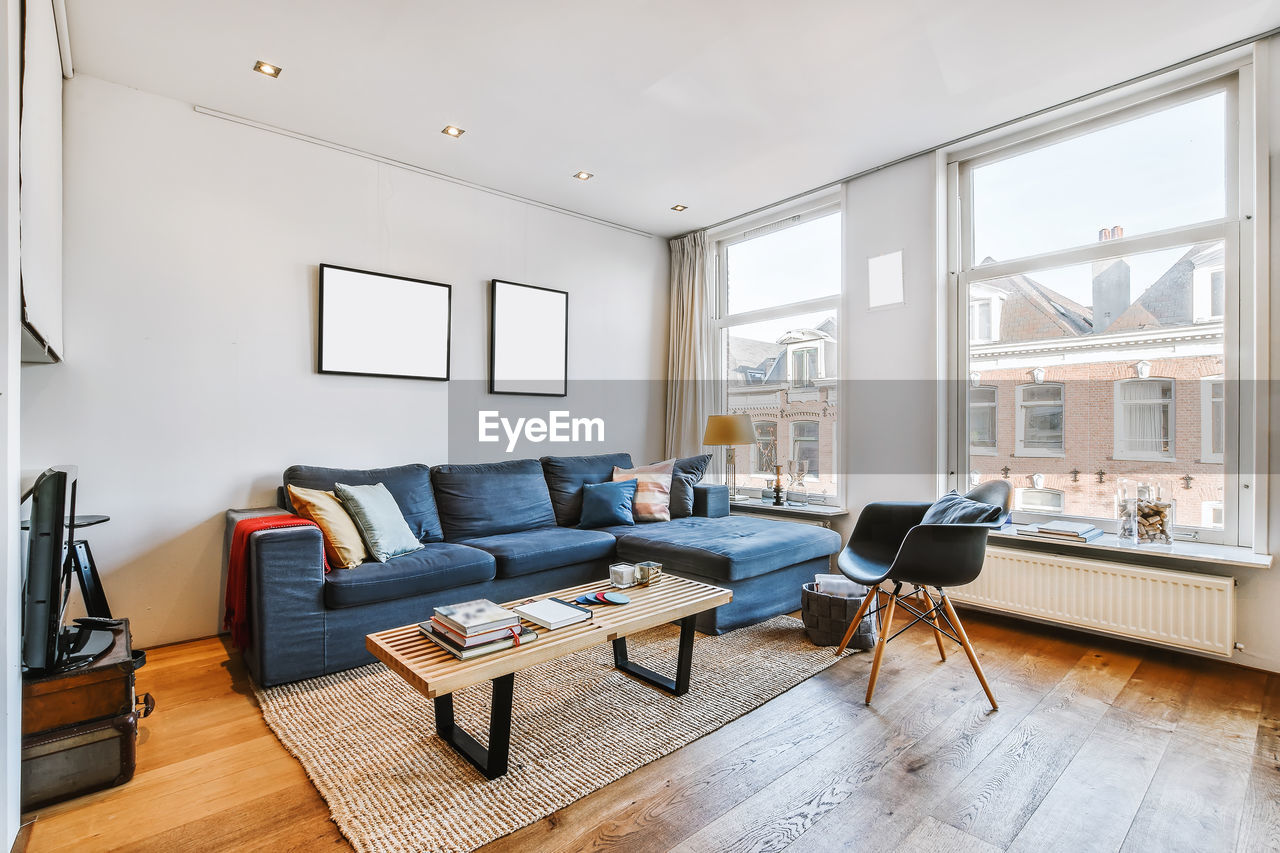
[804, 366]
[804, 447]
[1041, 420]
[1144, 419]
[1209, 287]
[1212, 514]
[1213, 419]
[778, 303]
[766, 449]
[983, 422]
[984, 320]
[1040, 500]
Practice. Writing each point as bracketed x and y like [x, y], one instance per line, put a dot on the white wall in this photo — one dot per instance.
[191, 250]
[889, 405]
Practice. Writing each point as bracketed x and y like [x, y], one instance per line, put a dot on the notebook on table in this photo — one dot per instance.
[552, 613]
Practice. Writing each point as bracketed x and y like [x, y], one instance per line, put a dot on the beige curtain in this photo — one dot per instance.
[691, 384]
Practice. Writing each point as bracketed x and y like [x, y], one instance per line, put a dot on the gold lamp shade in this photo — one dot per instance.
[728, 430]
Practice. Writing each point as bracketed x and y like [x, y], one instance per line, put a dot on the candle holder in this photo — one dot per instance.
[777, 486]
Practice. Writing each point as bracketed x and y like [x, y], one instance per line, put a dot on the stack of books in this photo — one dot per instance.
[475, 628]
[1062, 531]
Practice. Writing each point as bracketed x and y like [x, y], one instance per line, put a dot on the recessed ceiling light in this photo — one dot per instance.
[583, 176]
[678, 207]
[267, 68]
[455, 132]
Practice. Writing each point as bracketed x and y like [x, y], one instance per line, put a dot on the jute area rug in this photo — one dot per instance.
[368, 742]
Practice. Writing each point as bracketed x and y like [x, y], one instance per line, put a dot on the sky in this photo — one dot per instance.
[1159, 171]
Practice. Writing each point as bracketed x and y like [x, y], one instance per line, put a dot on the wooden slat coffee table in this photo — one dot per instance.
[436, 674]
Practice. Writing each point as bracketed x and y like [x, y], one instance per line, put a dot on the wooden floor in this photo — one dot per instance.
[1098, 745]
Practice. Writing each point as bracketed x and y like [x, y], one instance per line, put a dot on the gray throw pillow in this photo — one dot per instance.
[952, 508]
[382, 525]
[687, 474]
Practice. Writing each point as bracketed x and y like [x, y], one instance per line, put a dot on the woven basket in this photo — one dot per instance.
[827, 617]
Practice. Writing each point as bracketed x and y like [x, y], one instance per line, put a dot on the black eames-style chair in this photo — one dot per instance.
[890, 544]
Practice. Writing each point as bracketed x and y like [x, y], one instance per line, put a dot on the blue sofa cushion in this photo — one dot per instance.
[607, 503]
[410, 485]
[531, 551]
[437, 566]
[566, 476]
[728, 549]
[687, 474]
[485, 500]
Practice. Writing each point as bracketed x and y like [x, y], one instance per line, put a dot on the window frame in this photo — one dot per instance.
[813, 207]
[1243, 232]
[1117, 420]
[1019, 448]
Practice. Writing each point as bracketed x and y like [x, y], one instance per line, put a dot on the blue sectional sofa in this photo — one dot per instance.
[501, 531]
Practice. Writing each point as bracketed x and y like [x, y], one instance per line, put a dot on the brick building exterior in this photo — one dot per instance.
[1031, 346]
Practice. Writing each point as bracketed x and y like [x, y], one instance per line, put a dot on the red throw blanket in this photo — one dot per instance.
[236, 616]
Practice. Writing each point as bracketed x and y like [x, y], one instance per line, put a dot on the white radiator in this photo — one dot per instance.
[1179, 609]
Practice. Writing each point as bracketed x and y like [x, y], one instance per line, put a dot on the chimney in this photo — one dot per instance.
[1110, 284]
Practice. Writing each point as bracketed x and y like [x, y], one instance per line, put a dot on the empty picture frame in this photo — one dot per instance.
[528, 340]
[373, 324]
[884, 280]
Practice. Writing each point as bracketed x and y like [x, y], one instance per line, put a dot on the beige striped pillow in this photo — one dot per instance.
[653, 489]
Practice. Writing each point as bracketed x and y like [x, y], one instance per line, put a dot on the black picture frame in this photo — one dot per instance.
[500, 384]
[426, 335]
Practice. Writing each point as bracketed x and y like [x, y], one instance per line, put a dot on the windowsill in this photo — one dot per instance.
[1116, 458]
[1023, 453]
[1180, 553]
[808, 511]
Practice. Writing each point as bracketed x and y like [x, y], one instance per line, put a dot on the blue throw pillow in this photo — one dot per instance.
[382, 525]
[952, 508]
[604, 504]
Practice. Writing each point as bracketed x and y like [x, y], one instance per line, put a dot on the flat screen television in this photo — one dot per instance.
[48, 579]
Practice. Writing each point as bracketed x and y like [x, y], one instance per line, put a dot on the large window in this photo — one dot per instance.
[1099, 278]
[778, 317]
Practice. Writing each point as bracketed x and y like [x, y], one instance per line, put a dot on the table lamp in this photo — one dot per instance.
[728, 431]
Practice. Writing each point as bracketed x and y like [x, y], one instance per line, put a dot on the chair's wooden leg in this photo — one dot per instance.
[857, 620]
[933, 620]
[968, 648]
[886, 621]
[884, 638]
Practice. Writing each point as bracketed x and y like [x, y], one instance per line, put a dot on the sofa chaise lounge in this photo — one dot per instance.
[500, 531]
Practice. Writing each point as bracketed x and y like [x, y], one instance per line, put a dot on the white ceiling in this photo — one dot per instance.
[722, 105]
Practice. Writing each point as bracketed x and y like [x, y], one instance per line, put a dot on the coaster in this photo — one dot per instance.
[600, 598]
[586, 599]
[616, 598]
